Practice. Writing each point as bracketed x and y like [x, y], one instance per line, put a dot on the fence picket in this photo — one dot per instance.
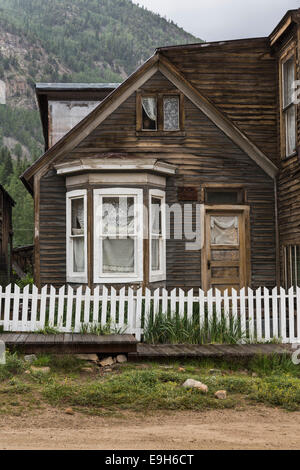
[267, 314]
[60, 311]
[165, 302]
[173, 303]
[131, 319]
[69, 309]
[52, 306]
[226, 308]
[210, 305]
[156, 302]
[251, 314]
[275, 313]
[121, 306]
[139, 303]
[78, 303]
[96, 305]
[25, 310]
[282, 315]
[218, 305]
[43, 307]
[104, 318]
[15, 320]
[291, 315]
[258, 314]
[34, 304]
[234, 306]
[190, 304]
[243, 312]
[201, 308]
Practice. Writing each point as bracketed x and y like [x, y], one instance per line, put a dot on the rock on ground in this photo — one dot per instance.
[191, 383]
[30, 358]
[88, 357]
[121, 358]
[107, 361]
[221, 394]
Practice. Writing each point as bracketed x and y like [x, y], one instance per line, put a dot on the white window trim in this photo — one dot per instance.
[72, 276]
[160, 275]
[104, 278]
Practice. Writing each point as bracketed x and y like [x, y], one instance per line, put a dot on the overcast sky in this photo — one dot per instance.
[214, 20]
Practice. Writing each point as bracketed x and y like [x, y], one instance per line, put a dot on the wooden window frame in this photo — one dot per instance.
[160, 131]
[71, 275]
[159, 275]
[289, 54]
[105, 278]
[224, 187]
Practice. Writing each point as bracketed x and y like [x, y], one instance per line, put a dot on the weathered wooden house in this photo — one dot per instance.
[211, 128]
[6, 236]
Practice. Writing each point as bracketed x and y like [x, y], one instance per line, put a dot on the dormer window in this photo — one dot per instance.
[159, 112]
[288, 107]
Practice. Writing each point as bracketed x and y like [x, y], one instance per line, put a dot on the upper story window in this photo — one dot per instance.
[160, 112]
[288, 107]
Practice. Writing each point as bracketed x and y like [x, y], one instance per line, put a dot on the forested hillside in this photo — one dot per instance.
[64, 41]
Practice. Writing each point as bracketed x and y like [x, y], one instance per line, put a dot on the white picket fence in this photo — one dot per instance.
[262, 315]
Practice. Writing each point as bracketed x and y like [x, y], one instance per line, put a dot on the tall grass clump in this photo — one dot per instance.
[176, 329]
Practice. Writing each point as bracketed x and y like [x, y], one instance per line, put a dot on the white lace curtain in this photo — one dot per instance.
[224, 230]
[150, 108]
[171, 113]
[118, 220]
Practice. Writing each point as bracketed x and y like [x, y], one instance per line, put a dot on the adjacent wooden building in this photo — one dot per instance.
[6, 236]
[185, 175]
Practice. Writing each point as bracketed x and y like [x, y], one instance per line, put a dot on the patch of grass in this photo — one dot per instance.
[48, 330]
[175, 329]
[64, 363]
[98, 329]
[13, 366]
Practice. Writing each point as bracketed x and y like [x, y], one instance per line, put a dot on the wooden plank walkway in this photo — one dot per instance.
[69, 343]
[209, 351]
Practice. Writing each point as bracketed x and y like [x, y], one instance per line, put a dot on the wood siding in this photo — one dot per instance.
[240, 77]
[202, 153]
[52, 230]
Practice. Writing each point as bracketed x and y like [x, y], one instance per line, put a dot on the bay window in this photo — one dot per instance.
[77, 236]
[118, 235]
[157, 235]
[288, 106]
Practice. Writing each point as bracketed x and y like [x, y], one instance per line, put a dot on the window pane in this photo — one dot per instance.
[171, 113]
[78, 255]
[77, 216]
[224, 230]
[155, 254]
[118, 255]
[290, 126]
[156, 215]
[288, 79]
[118, 216]
[222, 197]
[149, 110]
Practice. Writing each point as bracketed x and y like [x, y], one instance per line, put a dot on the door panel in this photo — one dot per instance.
[225, 258]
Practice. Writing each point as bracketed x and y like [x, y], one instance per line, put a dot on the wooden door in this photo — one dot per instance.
[226, 260]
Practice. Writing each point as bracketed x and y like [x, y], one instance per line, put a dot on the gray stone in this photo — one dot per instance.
[191, 383]
[30, 358]
[121, 358]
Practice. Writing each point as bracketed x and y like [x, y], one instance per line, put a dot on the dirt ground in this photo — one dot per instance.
[251, 428]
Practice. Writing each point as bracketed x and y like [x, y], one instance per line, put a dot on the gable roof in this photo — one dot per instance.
[156, 63]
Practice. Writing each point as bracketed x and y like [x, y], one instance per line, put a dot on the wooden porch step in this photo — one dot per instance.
[69, 343]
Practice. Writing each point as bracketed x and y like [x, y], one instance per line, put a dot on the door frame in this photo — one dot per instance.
[245, 239]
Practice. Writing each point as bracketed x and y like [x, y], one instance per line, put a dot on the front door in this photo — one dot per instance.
[225, 258]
